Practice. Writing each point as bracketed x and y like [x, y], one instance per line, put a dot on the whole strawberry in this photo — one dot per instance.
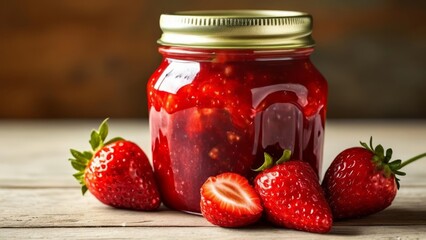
[361, 181]
[292, 196]
[228, 200]
[116, 172]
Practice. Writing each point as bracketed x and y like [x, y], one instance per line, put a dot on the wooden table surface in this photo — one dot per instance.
[40, 199]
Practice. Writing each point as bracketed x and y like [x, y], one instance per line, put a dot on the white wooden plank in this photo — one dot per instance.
[407, 138]
[36, 153]
[338, 232]
[67, 208]
[40, 199]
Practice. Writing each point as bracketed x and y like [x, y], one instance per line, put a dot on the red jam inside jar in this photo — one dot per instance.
[214, 110]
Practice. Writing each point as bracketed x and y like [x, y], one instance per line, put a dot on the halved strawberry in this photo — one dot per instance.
[228, 200]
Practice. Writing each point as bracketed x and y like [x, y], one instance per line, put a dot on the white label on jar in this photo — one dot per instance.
[177, 75]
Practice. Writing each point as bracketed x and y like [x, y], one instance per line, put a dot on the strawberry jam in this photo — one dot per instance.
[215, 110]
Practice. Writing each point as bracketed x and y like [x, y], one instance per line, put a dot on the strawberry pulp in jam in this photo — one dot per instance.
[214, 111]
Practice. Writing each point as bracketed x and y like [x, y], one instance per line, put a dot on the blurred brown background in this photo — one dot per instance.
[83, 59]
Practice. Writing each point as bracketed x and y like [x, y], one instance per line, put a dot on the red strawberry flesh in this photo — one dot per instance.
[228, 200]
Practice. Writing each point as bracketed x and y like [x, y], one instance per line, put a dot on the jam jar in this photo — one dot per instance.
[231, 86]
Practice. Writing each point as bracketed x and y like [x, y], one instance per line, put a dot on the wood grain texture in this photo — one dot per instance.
[339, 232]
[36, 153]
[61, 207]
[40, 200]
[44, 146]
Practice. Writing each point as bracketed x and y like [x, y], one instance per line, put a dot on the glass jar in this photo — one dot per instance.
[232, 85]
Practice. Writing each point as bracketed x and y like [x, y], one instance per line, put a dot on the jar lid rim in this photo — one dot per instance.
[239, 29]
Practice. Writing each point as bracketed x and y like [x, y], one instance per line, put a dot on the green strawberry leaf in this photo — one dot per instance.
[368, 147]
[285, 157]
[88, 155]
[380, 151]
[103, 130]
[76, 153]
[77, 165]
[269, 162]
[383, 161]
[396, 172]
[95, 140]
[388, 155]
[81, 160]
[83, 189]
[78, 175]
[394, 165]
[397, 183]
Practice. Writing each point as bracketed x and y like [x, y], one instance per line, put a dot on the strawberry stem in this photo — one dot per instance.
[269, 161]
[406, 162]
[285, 157]
[81, 160]
[382, 160]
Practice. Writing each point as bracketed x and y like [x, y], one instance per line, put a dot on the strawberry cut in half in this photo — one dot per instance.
[117, 172]
[228, 200]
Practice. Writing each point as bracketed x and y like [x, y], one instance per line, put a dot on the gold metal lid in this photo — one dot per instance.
[238, 29]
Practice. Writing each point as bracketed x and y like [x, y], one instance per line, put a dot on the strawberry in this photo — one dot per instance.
[116, 172]
[292, 196]
[361, 180]
[228, 200]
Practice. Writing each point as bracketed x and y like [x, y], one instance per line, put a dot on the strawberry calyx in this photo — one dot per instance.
[269, 161]
[80, 159]
[382, 160]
